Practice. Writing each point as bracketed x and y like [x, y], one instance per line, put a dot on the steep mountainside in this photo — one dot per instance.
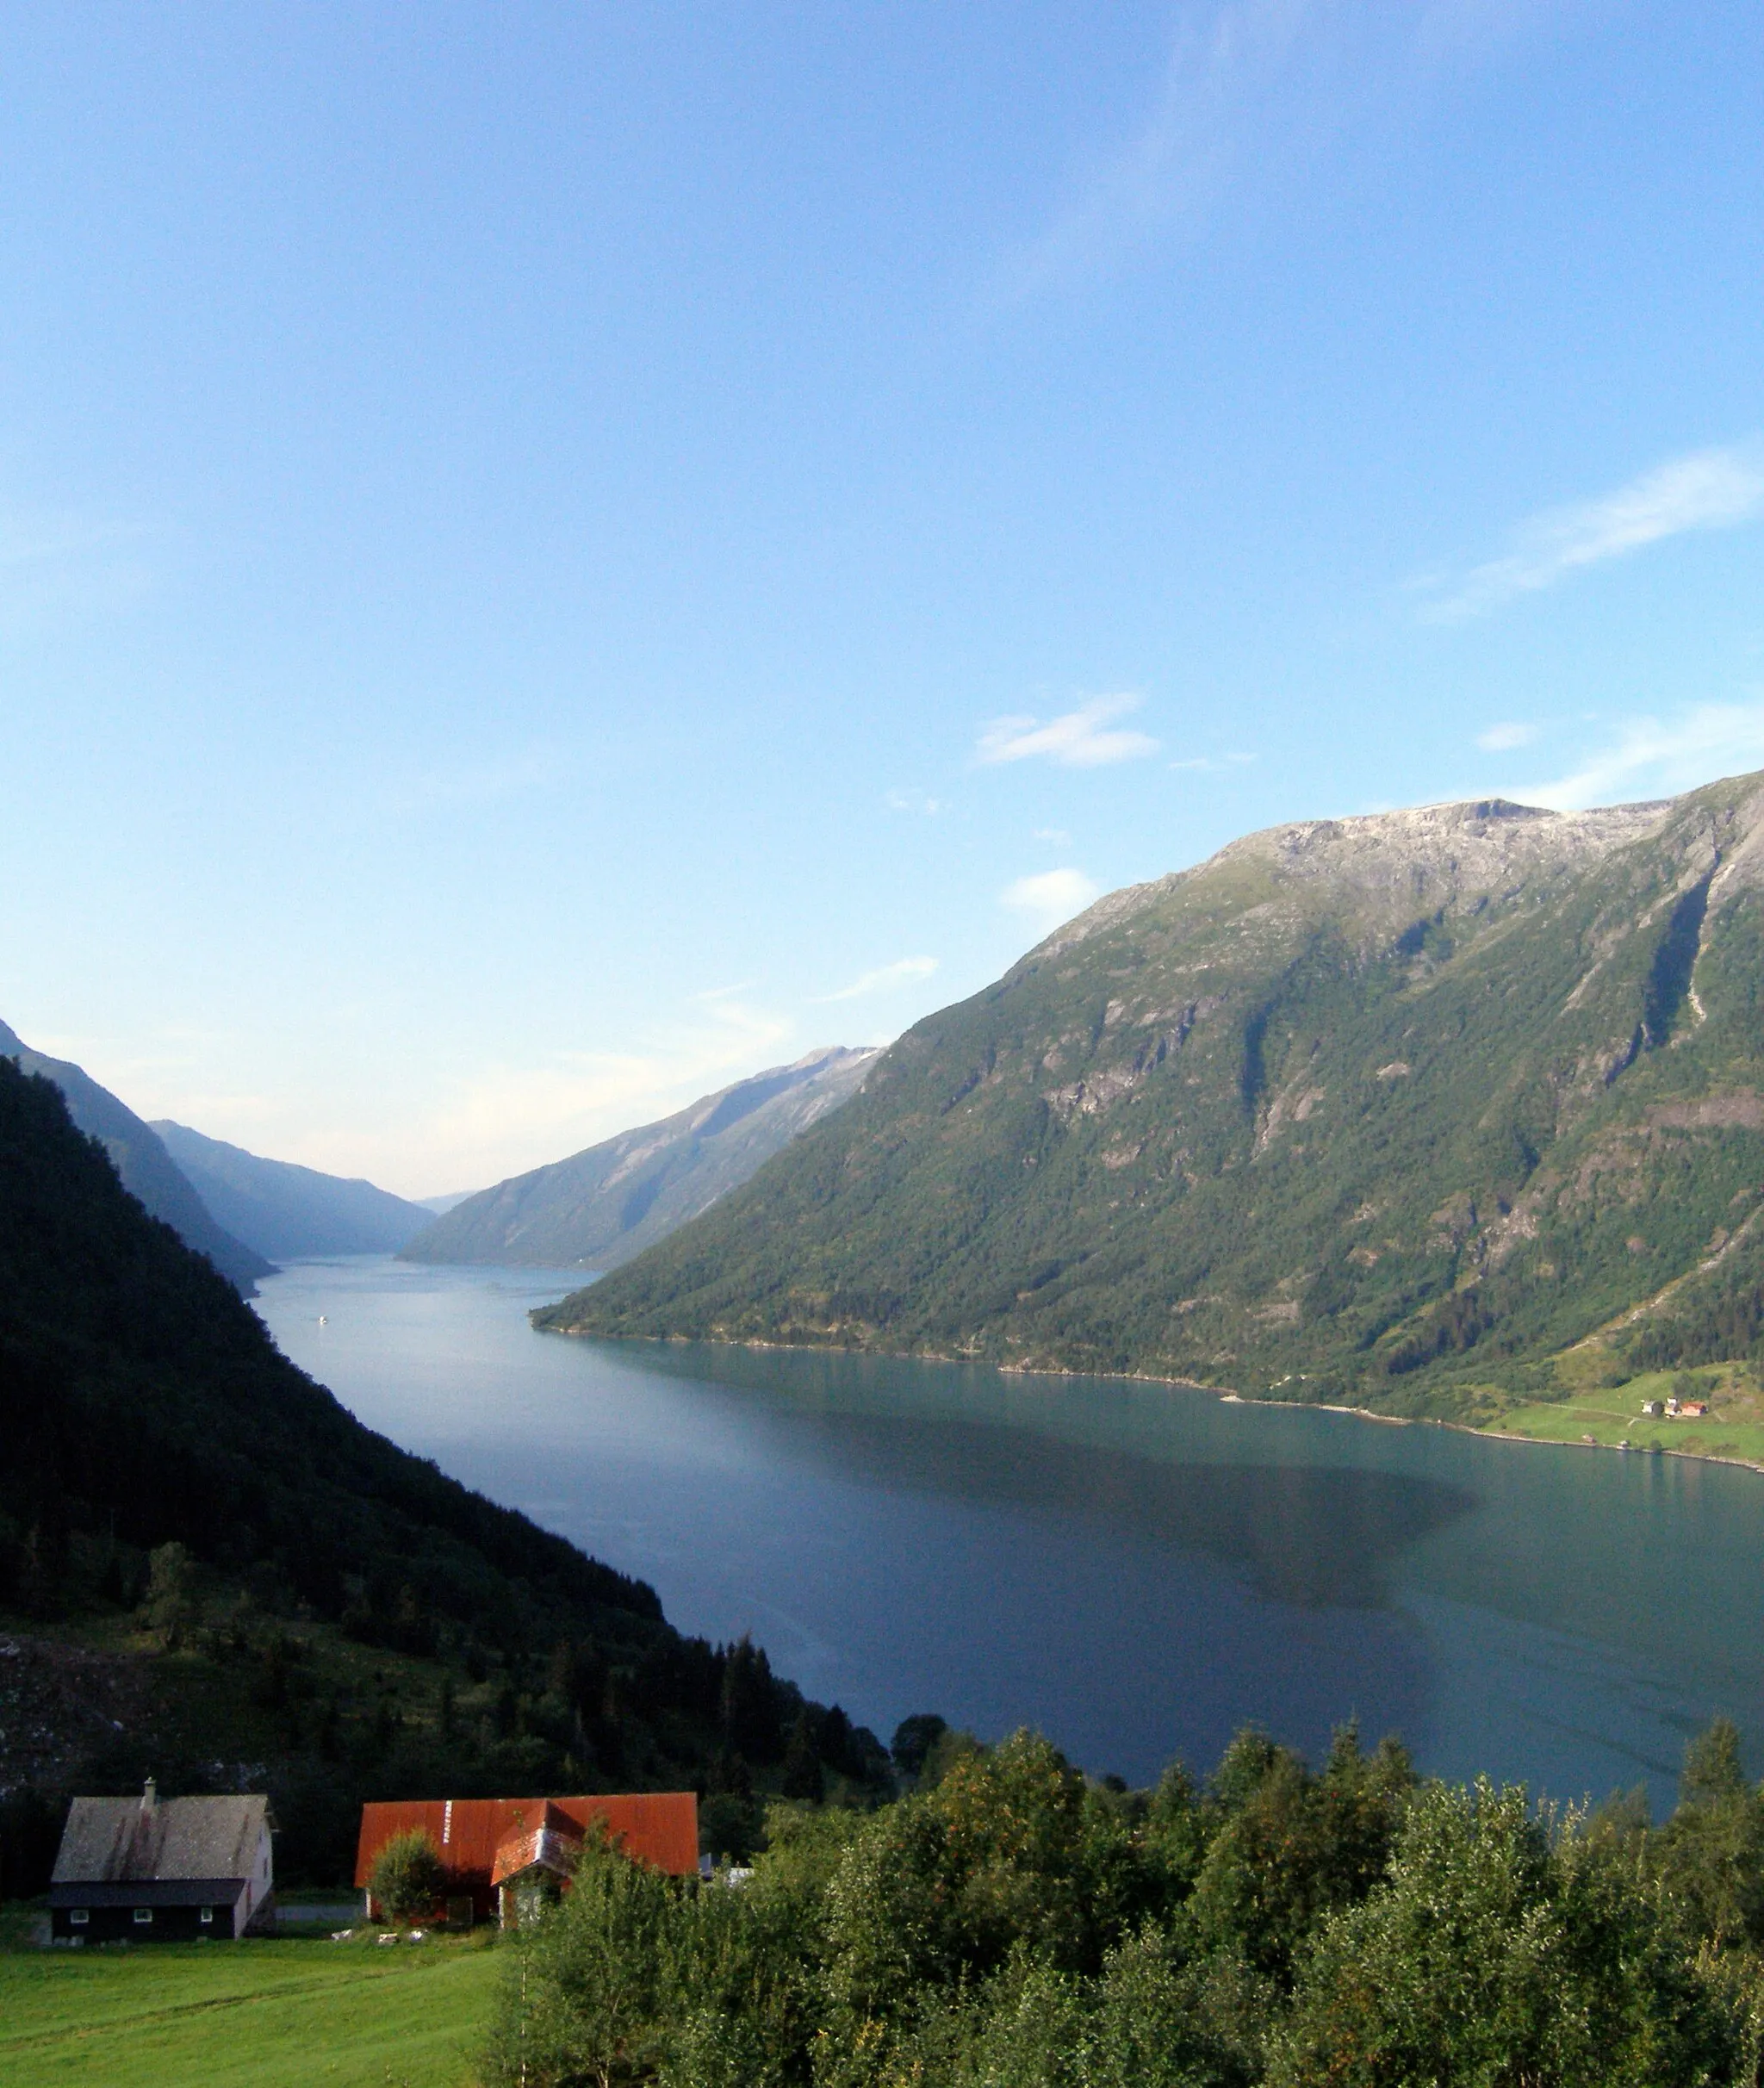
[601, 1207]
[282, 1210]
[147, 1170]
[1393, 1108]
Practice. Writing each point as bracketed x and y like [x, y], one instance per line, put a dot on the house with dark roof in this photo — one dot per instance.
[153, 1869]
[502, 1856]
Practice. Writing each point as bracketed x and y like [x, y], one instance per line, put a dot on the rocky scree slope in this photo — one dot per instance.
[602, 1207]
[1390, 1109]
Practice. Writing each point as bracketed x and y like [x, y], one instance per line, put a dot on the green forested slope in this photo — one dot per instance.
[1382, 1108]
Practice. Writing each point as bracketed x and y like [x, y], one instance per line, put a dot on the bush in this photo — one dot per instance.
[591, 1999]
[1019, 1926]
[408, 1878]
[1490, 1955]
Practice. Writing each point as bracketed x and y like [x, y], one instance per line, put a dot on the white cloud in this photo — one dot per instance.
[914, 801]
[885, 977]
[1716, 489]
[1652, 758]
[1050, 897]
[1077, 739]
[1497, 739]
[1056, 837]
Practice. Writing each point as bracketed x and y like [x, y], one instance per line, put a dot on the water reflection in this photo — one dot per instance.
[1312, 1535]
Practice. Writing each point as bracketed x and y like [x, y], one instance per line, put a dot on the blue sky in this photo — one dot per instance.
[552, 557]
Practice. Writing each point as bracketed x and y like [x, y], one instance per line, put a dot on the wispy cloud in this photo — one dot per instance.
[1083, 738]
[518, 1115]
[1220, 67]
[1250, 90]
[1651, 757]
[1050, 897]
[492, 781]
[1056, 837]
[1499, 739]
[918, 801]
[56, 563]
[901, 972]
[1716, 488]
[498, 1118]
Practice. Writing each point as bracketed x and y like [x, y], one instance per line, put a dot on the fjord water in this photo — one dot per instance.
[1135, 1569]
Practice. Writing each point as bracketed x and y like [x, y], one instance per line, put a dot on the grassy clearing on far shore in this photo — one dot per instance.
[280, 2014]
[1610, 1414]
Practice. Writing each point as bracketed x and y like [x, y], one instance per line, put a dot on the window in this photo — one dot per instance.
[143, 1915]
[208, 1914]
[79, 1915]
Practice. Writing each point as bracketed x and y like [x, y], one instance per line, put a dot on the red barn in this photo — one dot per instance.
[498, 1852]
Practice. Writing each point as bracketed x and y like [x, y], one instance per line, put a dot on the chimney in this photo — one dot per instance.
[141, 1841]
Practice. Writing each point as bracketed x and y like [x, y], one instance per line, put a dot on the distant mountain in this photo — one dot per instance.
[437, 1207]
[147, 1170]
[283, 1210]
[600, 1207]
[1394, 1109]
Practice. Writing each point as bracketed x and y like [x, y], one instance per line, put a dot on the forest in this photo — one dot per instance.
[1010, 1924]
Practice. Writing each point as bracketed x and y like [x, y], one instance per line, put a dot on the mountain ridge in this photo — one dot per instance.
[1391, 1108]
[601, 1206]
[283, 1210]
[146, 1168]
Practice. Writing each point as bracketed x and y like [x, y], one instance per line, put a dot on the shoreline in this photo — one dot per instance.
[1186, 1384]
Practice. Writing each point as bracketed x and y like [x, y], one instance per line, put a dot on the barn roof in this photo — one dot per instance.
[655, 1827]
[552, 1844]
[109, 1841]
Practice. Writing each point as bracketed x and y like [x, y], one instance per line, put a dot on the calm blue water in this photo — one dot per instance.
[1136, 1570]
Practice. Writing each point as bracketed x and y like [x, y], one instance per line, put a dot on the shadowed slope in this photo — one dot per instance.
[147, 1170]
[279, 1209]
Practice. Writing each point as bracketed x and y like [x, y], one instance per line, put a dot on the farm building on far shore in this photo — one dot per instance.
[501, 1853]
[163, 1870]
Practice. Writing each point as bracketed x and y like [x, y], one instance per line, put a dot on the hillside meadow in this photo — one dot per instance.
[273, 2013]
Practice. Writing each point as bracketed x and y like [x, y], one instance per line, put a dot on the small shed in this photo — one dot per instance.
[163, 1870]
[502, 1853]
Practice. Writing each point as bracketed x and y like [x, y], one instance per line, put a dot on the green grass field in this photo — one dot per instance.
[270, 2015]
[1613, 1414]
